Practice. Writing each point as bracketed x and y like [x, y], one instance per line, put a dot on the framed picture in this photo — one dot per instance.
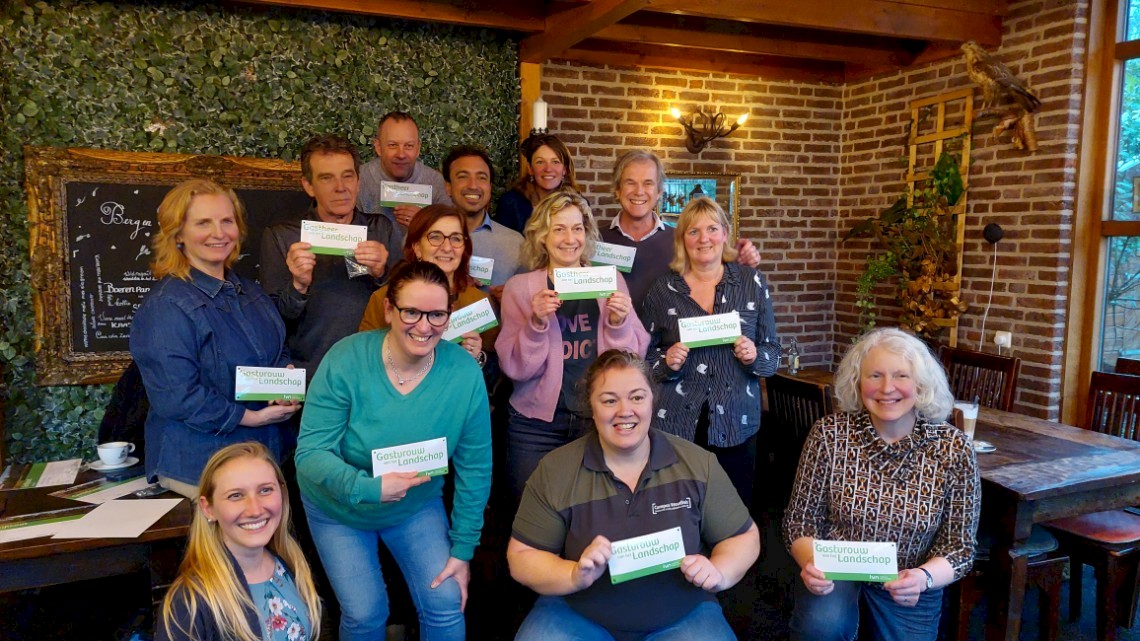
[93, 216]
[681, 188]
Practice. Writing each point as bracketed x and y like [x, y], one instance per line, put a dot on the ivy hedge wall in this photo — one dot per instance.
[181, 77]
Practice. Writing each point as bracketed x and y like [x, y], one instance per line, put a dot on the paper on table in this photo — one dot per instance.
[34, 526]
[19, 477]
[117, 520]
[102, 490]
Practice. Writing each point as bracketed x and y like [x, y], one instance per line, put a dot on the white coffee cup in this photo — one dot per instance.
[969, 417]
[115, 452]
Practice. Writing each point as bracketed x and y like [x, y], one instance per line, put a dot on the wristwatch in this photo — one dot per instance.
[929, 577]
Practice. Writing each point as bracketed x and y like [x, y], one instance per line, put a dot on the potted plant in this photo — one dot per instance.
[916, 239]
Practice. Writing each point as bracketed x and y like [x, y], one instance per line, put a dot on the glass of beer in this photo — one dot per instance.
[969, 411]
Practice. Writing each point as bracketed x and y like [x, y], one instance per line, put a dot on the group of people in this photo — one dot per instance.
[614, 428]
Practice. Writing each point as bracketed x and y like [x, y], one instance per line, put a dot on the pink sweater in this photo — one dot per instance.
[532, 356]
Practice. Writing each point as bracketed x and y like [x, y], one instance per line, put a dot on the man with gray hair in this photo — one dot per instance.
[639, 182]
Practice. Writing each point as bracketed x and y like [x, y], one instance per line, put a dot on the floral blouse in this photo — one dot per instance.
[283, 614]
[922, 492]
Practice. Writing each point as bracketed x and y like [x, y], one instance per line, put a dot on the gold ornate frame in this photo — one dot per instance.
[48, 171]
[679, 186]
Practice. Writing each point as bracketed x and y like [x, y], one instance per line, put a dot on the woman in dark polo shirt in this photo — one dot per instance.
[565, 529]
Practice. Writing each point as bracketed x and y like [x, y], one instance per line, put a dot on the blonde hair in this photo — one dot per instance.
[169, 259]
[703, 207]
[933, 401]
[206, 577]
[533, 254]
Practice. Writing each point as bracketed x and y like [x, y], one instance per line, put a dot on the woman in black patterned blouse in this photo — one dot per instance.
[887, 468]
[711, 395]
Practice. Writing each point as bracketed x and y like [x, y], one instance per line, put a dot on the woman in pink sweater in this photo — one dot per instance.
[546, 344]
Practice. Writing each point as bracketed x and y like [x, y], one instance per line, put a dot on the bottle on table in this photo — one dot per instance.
[794, 358]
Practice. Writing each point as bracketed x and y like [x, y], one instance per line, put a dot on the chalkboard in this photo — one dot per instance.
[93, 215]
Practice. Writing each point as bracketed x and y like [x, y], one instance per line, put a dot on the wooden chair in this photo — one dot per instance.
[1043, 571]
[794, 405]
[1108, 541]
[1129, 366]
[992, 378]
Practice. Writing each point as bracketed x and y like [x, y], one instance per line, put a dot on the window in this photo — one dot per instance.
[1119, 287]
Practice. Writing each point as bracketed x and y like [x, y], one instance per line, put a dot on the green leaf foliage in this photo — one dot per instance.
[185, 78]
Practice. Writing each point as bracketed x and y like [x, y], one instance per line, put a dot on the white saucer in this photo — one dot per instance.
[100, 466]
[982, 447]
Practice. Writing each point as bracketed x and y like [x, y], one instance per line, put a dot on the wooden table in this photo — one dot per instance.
[1043, 470]
[42, 562]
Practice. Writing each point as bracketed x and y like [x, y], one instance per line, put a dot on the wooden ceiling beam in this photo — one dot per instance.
[882, 18]
[704, 36]
[765, 67]
[491, 14]
[567, 28]
[988, 7]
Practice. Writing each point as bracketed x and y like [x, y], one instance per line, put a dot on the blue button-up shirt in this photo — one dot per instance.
[187, 338]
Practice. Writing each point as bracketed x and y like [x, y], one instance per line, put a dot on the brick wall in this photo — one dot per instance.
[787, 156]
[1030, 195]
[814, 159]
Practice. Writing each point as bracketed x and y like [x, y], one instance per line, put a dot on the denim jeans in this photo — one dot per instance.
[553, 620]
[421, 548]
[835, 616]
[530, 439]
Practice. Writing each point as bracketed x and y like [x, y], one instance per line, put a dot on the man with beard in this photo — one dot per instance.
[468, 173]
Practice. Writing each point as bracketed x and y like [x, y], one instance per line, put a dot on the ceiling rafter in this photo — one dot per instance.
[739, 37]
[768, 67]
[492, 14]
[569, 27]
[882, 18]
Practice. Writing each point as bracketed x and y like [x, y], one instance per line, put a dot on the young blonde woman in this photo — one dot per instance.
[546, 344]
[244, 577]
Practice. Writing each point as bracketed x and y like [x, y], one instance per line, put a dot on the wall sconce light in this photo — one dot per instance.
[702, 128]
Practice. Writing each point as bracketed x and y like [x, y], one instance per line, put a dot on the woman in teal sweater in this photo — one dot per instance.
[430, 389]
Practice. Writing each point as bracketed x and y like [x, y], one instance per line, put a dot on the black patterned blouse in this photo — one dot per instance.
[922, 492]
[711, 374]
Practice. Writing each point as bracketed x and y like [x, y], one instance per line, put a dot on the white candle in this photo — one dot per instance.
[538, 113]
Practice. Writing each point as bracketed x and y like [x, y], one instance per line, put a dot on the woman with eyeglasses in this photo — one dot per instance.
[430, 390]
[438, 234]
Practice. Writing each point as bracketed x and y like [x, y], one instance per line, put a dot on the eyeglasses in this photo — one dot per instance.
[411, 315]
[435, 239]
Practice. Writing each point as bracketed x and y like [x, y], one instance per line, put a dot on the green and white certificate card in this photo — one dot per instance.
[648, 554]
[477, 317]
[393, 194]
[331, 238]
[619, 256]
[857, 560]
[715, 329]
[481, 269]
[429, 458]
[269, 384]
[577, 283]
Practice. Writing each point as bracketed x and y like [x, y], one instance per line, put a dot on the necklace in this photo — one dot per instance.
[400, 380]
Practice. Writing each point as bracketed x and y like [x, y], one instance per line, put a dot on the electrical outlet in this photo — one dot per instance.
[1003, 339]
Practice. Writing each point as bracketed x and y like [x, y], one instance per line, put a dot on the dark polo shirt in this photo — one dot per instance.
[573, 497]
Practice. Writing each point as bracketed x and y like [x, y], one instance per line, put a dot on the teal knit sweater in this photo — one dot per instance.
[351, 408]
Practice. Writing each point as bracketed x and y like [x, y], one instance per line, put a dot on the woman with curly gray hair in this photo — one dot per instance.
[887, 468]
